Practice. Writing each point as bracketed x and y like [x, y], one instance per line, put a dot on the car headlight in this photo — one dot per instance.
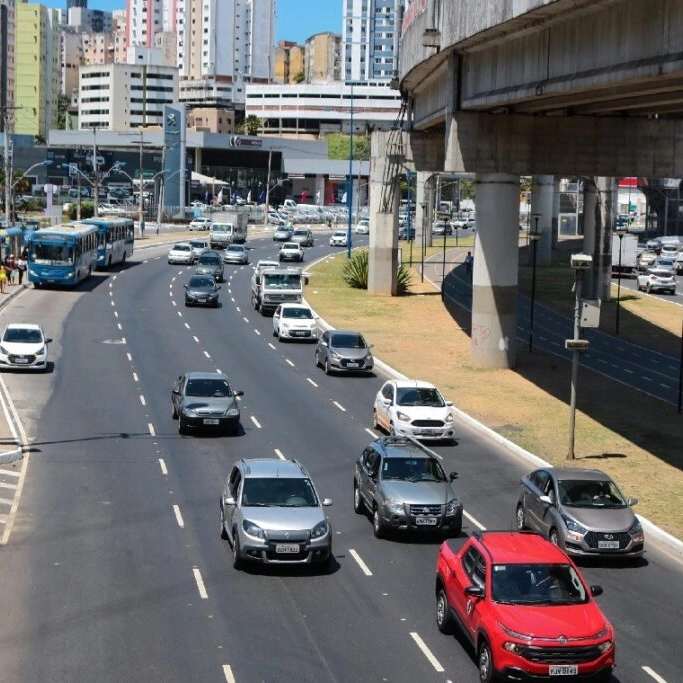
[4, 351]
[452, 506]
[576, 531]
[635, 531]
[335, 355]
[41, 351]
[402, 416]
[448, 419]
[606, 646]
[368, 358]
[253, 529]
[232, 412]
[393, 506]
[320, 529]
[512, 647]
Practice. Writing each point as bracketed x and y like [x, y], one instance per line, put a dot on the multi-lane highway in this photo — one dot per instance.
[115, 569]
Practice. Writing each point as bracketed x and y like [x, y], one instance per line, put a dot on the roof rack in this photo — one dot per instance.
[403, 438]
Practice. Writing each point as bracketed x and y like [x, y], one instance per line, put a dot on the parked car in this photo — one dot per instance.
[657, 280]
[275, 219]
[198, 248]
[201, 223]
[442, 228]
[295, 321]
[524, 607]
[271, 513]
[23, 346]
[581, 510]
[210, 263]
[181, 253]
[283, 233]
[236, 253]
[303, 236]
[201, 290]
[338, 239]
[291, 251]
[415, 408]
[205, 400]
[343, 351]
[405, 233]
[363, 226]
[404, 488]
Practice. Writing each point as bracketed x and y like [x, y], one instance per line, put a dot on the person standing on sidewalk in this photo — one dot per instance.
[3, 277]
[21, 268]
[469, 262]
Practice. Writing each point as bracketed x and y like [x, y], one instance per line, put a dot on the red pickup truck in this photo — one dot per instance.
[524, 606]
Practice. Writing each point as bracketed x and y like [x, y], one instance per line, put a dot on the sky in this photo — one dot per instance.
[296, 20]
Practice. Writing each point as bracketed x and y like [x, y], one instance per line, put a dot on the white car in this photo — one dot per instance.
[198, 248]
[338, 238]
[657, 280]
[363, 226]
[413, 408]
[24, 346]
[200, 223]
[181, 253]
[291, 251]
[295, 321]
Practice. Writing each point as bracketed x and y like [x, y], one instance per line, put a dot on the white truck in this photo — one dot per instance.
[625, 254]
[228, 227]
[274, 285]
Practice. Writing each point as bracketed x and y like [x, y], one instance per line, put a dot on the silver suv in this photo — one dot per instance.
[271, 513]
[403, 486]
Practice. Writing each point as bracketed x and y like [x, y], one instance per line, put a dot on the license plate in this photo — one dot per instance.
[423, 432]
[21, 360]
[286, 548]
[563, 670]
[608, 545]
[299, 333]
[425, 521]
[352, 365]
[211, 421]
[201, 301]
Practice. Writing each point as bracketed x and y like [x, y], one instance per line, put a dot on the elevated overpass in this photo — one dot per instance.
[503, 88]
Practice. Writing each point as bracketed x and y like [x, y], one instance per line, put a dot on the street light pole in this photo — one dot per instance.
[349, 190]
[95, 174]
[9, 187]
[534, 237]
[620, 235]
[8, 173]
[141, 204]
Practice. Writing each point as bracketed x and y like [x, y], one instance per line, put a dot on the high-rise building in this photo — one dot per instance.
[370, 40]
[289, 62]
[76, 3]
[323, 58]
[220, 44]
[6, 61]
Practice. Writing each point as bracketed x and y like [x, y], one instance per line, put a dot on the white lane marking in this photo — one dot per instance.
[116, 315]
[289, 362]
[310, 381]
[238, 309]
[256, 422]
[206, 353]
[187, 325]
[196, 339]
[363, 567]
[3, 485]
[654, 674]
[272, 346]
[647, 379]
[200, 583]
[174, 303]
[227, 672]
[11, 473]
[232, 298]
[150, 426]
[473, 520]
[257, 332]
[135, 377]
[142, 400]
[162, 464]
[180, 315]
[279, 454]
[123, 340]
[130, 358]
[427, 652]
[340, 406]
[119, 326]
[179, 517]
[371, 433]
[246, 320]
[218, 370]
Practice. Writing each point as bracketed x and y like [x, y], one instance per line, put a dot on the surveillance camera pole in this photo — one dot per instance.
[578, 286]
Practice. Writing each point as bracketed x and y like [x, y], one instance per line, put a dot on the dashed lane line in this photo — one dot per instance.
[279, 454]
[363, 567]
[150, 426]
[654, 674]
[340, 406]
[255, 421]
[427, 652]
[142, 400]
[227, 672]
[289, 362]
[200, 583]
[310, 381]
[473, 520]
[178, 516]
[162, 464]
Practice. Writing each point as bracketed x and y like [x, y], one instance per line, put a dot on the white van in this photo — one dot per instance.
[223, 233]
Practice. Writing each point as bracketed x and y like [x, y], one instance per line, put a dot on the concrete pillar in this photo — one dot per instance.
[424, 205]
[556, 214]
[494, 283]
[542, 205]
[319, 194]
[601, 212]
[590, 202]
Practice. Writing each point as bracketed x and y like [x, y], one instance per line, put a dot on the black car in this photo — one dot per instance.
[201, 290]
[405, 234]
[210, 263]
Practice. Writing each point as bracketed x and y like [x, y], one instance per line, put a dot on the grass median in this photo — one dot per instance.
[638, 440]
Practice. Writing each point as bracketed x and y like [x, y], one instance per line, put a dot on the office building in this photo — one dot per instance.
[323, 58]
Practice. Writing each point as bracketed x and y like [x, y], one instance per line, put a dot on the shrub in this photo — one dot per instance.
[355, 273]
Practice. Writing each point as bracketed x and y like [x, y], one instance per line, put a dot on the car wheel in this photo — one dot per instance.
[648, 289]
[358, 504]
[519, 518]
[444, 621]
[224, 533]
[485, 663]
[554, 538]
[274, 332]
[375, 423]
[237, 561]
[317, 360]
[377, 525]
[327, 368]
[174, 412]
[182, 427]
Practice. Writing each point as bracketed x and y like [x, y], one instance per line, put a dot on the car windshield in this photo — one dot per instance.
[291, 245]
[236, 247]
[209, 260]
[412, 469]
[278, 492]
[201, 281]
[297, 313]
[182, 247]
[23, 335]
[300, 233]
[537, 584]
[347, 341]
[590, 494]
[339, 233]
[208, 387]
[198, 245]
[422, 396]
[282, 280]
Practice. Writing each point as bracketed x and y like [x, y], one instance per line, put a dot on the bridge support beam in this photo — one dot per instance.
[542, 206]
[494, 284]
[598, 211]
[424, 205]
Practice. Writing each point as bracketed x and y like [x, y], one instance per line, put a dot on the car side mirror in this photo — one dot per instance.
[546, 499]
[47, 340]
[474, 591]
[218, 287]
[305, 279]
[327, 502]
[632, 501]
[184, 286]
[387, 401]
[228, 500]
[323, 343]
[175, 391]
[453, 476]
[276, 315]
[238, 393]
[449, 403]
[596, 590]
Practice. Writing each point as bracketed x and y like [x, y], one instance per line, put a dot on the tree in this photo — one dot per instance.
[338, 146]
[251, 125]
[300, 77]
[62, 109]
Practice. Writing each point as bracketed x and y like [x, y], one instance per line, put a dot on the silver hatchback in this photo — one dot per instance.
[271, 514]
[343, 351]
[581, 510]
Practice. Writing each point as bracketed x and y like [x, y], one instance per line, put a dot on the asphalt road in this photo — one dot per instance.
[115, 569]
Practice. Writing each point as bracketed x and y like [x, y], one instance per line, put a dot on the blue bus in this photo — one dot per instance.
[115, 239]
[62, 255]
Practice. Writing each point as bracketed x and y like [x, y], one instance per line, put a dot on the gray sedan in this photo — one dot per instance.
[343, 351]
[236, 253]
[581, 510]
[205, 400]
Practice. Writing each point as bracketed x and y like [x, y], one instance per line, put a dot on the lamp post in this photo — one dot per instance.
[620, 235]
[349, 189]
[162, 183]
[9, 189]
[534, 237]
[409, 222]
[580, 263]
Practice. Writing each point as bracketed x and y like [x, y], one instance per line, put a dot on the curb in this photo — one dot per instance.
[11, 456]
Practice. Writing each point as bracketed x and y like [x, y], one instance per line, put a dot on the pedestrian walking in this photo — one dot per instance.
[469, 263]
[11, 269]
[21, 268]
[3, 277]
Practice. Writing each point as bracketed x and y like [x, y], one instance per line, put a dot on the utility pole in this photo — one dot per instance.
[8, 154]
[141, 204]
[95, 174]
